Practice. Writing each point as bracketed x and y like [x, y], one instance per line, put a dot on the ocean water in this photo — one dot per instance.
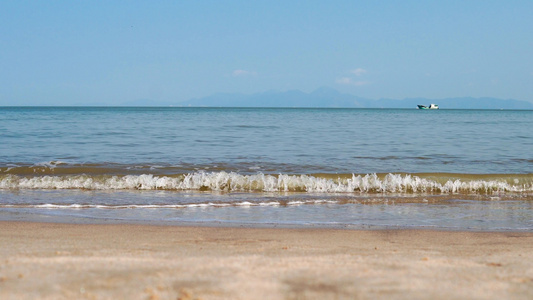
[348, 168]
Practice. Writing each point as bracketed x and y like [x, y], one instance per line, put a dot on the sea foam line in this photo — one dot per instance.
[223, 181]
[165, 206]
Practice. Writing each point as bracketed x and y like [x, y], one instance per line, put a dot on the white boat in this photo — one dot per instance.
[431, 106]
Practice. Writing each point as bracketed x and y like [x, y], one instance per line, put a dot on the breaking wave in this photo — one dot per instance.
[235, 182]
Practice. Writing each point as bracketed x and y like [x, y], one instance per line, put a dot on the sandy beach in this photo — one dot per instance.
[68, 261]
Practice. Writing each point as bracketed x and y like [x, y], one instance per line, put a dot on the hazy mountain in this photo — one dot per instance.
[322, 97]
[146, 102]
[328, 97]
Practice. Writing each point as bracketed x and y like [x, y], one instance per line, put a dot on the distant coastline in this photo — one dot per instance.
[320, 98]
[331, 98]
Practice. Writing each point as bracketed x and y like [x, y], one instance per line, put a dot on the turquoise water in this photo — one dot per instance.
[273, 140]
[442, 168]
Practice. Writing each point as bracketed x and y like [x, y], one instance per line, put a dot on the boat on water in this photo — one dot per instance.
[431, 106]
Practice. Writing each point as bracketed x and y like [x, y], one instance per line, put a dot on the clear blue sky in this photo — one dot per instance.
[111, 52]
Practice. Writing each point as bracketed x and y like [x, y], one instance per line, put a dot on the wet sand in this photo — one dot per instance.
[67, 261]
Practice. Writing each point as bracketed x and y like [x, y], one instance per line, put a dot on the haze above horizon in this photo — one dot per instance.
[72, 53]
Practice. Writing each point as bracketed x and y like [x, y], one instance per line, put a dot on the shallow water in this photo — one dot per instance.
[460, 169]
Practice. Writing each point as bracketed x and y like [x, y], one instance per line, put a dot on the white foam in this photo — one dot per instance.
[50, 164]
[272, 203]
[223, 181]
[243, 204]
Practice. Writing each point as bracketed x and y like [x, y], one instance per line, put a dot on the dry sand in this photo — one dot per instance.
[65, 261]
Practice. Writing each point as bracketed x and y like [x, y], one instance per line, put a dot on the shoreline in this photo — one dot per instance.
[141, 261]
[80, 220]
[243, 225]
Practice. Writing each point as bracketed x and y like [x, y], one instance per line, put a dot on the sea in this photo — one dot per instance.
[269, 167]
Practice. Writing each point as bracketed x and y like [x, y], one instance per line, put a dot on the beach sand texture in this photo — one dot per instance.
[67, 261]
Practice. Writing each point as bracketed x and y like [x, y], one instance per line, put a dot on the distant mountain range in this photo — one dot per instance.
[328, 97]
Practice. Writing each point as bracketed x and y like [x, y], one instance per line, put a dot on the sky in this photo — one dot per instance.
[112, 52]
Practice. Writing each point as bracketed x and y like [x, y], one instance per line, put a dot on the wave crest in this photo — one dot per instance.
[223, 181]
